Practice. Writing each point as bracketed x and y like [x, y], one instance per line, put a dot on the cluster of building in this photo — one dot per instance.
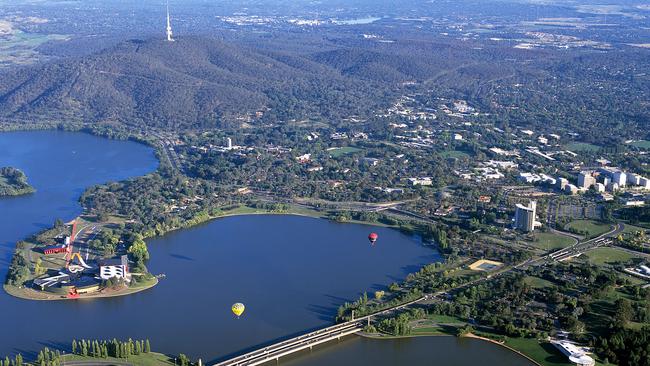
[607, 181]
[610, 179]
[407, 107]
[67, 282]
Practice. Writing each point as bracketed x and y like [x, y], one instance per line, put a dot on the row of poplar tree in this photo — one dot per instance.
[88, 348]
[113, 348]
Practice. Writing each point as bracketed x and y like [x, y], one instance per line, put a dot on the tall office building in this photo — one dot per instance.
[168, 30]
[619, 178]
[525, 217]
[586, 180]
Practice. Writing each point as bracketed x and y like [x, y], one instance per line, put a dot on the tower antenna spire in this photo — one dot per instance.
[169, 25]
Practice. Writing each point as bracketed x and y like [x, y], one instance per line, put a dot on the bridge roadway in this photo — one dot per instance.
[293, 345]
[309, 340]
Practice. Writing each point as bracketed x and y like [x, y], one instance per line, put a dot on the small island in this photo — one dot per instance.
[13, 182]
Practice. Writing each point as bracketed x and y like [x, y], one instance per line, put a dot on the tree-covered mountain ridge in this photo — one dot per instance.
[194, 82]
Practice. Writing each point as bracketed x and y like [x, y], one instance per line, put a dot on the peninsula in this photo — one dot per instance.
[13, 182]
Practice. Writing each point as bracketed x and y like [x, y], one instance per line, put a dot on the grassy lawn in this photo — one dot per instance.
[591, 227]
[550, 241]
[582, 147]
[446, 319]
[340, 151]
[544, 353]
[643, 144]
[454, 154]
[537, 282]
[602, 256]
[144, 359]
[631, 229]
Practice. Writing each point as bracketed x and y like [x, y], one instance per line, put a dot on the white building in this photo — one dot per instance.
[645, 183]
[619, 178]
[574, 353]
[634, 179]
[529, 177]
[571, 189]
[600, 188]
[525, 217]
[423, 181]
[304, 158]
[586, 180]
[114, 268]
[562, 183]
[501, 164]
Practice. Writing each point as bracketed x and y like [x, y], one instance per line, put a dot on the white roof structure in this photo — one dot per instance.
[575, 354]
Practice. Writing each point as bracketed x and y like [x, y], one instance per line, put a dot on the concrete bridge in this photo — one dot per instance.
[284, 348]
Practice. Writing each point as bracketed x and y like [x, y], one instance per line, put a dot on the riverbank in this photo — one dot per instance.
[27, 293]
[502, 344]
[537, 359]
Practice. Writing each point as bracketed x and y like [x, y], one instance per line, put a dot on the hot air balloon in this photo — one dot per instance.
[373, 238]
[238, 309]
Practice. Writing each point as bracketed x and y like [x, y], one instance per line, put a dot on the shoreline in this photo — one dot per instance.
[502, 344]
[470, 335]
[19, 293]
[24, 293]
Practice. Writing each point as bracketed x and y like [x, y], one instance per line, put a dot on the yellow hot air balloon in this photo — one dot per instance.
[238, 309]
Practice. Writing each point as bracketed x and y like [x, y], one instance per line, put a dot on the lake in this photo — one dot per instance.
[291, 272]
[418, 351]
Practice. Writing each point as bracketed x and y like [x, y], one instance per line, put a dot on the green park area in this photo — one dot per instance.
[340, 151]
[536, 282]
[550, 241]
[589, 228]
[542, 352]
[642, 144]
[143, 359]
[602, 256]
[582, 147]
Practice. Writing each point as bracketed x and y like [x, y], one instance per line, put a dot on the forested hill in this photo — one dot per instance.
[201, 83]
[190, 83]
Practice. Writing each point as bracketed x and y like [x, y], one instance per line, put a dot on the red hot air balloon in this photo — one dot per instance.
[373, 238]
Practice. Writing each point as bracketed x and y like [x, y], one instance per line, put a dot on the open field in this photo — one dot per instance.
[581, 147]
[631, 229]
[143, 359]
[590, 228]
[544, 353]
[537, 282]
[340, 151]
[602, 256]
[550, 241]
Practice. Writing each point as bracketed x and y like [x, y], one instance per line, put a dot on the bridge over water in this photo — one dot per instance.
[309, 340]
[284, 348]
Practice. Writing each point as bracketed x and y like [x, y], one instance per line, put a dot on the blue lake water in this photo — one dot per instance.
[291, 272]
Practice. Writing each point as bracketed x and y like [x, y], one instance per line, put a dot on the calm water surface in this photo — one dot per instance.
[421, 351]
[291, 272]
